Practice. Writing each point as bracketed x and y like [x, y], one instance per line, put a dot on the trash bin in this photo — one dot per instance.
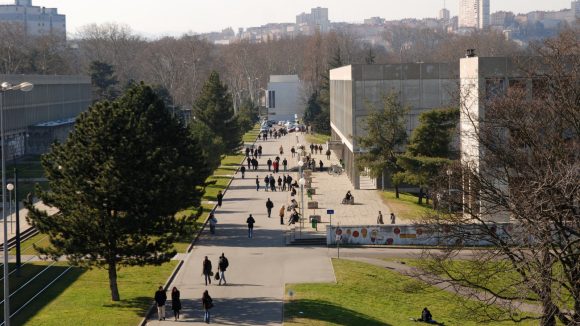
[315, 224]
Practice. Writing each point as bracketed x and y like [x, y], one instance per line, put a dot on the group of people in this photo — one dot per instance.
[254, 152]
[380, 218]
[274, 166]
[274, 133]
[283, 183]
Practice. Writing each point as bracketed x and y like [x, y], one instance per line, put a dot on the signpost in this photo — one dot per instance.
[330, 212]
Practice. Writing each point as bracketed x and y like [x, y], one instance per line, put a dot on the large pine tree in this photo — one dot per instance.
[118, 181]
[214, 107]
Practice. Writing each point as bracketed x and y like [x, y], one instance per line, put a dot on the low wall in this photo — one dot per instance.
[414, 234]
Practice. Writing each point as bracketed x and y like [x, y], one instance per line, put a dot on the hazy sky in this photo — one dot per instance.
[174, 17]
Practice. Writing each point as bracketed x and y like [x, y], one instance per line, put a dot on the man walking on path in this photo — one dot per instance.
[272, 183]
[243, 170]
[293, 151]
[282, 211]
[284, 181]
[328, 154]
[380, 218]
[267, 181]
[207, 270]
[257, 183]
[223, 265]
[269, 162]
[285, 164]
[250, 222]
[393, 218]
[220, 198]
[269, 206]
[160, 298]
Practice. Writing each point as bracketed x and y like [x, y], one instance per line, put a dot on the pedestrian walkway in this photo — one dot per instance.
[11, 219]
[259, 268]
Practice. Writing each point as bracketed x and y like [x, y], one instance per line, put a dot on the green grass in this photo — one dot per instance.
[406, 207]
[252, 135]
[82, 297]
[370, 295]
[316, 138]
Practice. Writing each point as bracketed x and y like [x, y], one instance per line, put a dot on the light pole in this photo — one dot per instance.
[10, 187]
[301, 182]
[5, 87]
[449, 173]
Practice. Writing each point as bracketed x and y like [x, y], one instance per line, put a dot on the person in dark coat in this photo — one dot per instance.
[269, 163]
[260, 151]
[249, 162]
[285, 164]
[328, 154]
[223, 265]
[207, 270]
[284, 182]
[280, 183]
[160, 298]
[247, 151]
[220, 198]
[250, 222]
[321, 165]
[269, 206]
[272, 183]
[207, 304]
[257, 183]
[293, 151]
[175, 302]
[320, 149]
[267, 182]
[255, 164]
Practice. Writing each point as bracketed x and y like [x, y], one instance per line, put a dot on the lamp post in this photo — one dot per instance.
[10, 187]
[449, 174]
[5, 87]
[301, 182]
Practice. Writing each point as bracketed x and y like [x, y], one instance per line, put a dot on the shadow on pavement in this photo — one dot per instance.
[232, 235]
[246, 311]
[326, 312]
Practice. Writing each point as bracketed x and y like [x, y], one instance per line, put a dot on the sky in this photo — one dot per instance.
[175, 17]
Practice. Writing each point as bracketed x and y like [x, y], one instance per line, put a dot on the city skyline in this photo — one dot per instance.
[184, 16]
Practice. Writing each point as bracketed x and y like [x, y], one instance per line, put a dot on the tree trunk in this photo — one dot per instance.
[113, 282]
[397, 191]
[420, 199]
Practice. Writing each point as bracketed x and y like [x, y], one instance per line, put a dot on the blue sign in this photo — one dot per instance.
[330, 211]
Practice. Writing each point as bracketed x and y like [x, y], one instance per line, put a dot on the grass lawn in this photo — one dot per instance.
[252, 135]
[316, 138]
[406, 207]
[369, 295]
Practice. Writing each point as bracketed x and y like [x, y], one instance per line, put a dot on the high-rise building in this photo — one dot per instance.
[444, 14]
[575, 8]
[35, 20]
[318, 17]
[474, 14]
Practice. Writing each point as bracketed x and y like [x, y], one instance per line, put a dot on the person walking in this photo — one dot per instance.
[269, 163]
[223, 265]
[257, 183]
[328, 154]
[393, 218]
[320, 148]
[250, 222]
[285, 164]
[249, 162]
[206, 270]
[207, 304]
[160, 298]
[175, 302]
[284, 181]
[276, 166]
[282, 212]
[267, 182]
[220, 198]
[279, 183]
[281, 150]
[311, 149]
[247, 151]
[293, 151]
[243, 170]
[260, 151]
[255, 164]
[380, 218]
[269, 206]
[321, 165]
[212, 223]
[272, 183]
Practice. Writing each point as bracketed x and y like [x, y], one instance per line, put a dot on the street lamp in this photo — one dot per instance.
[449, 174]
[10, 187]
[5, 87]
[301, 182]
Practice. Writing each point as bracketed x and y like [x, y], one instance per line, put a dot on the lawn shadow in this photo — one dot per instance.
[326, 312]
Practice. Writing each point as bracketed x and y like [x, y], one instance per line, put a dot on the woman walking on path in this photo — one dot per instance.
[207, 303]
[175, 302]
[207, 270]
[282, 210]
[220, 198]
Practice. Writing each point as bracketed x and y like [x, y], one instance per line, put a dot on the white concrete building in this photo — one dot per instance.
[36, 21]
[283, 98]
[474, 14]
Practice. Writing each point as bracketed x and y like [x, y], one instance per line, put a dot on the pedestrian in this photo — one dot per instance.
[250, 222]
[252, 150]
[315, 149]
[207, 303]
[223, 265]
[280, 183]
[220, 198]
[249, 162]
[284, 164]
[380, 218]
[206, 270]
[267, 182]
[311, 148]
[212, 223]
[259, 136]
[243, 170]
[281, 150]
[257, 183]
[320, 149]
[393, 218]
[272, 183]
[321, 165]
[160, 298]
[289, 182]
[260, 151]
[275, 166]
[284, 181]
[270, 132]
[247, 151]
[255, 164]
[293, 151]
[282, 211]
[175, 302]
[269, 206]
[269, 163]
[328, 154]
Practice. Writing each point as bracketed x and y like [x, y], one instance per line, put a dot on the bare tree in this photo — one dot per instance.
[529, 172]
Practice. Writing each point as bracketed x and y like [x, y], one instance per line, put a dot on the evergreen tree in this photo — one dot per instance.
[383, 143]
[433, 135]
[212, 145]
[104, 81]
[214, 107]
[118, 181]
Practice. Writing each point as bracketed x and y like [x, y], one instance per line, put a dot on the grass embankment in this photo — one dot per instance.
[369, 295]
[82, 297]
[406, 206]
[316, 138]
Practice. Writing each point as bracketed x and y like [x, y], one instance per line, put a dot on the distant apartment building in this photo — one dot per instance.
[36, 21]
[420, 86]
[283, 98]
[374, 21]
[474, 14]
[444, 15]
[502, 18]
[316, 19]
[575, 7]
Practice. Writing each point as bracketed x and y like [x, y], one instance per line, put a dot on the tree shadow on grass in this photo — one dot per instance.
[326, 312]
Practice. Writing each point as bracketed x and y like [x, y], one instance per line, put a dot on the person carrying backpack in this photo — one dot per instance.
[223, 265]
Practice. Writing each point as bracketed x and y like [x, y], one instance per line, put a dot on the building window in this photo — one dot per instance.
[272, 99]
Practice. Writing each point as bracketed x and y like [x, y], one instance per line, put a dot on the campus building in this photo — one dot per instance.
[35, 119]
[420, 86]
[283, 98]
[36, 21]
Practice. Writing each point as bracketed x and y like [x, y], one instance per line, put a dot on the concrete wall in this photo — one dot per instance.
[288, 102]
